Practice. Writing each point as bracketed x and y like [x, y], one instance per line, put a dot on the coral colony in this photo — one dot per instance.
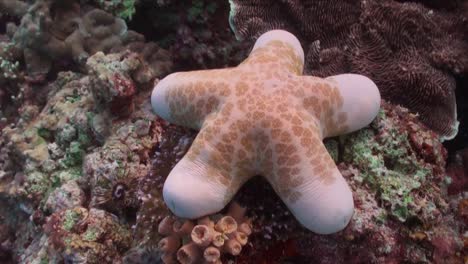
[412, 53]
[264, 117]
[233, 131]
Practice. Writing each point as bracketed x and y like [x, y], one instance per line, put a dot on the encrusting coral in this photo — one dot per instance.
[262, 117]
[413, 53]
[204, 240]
[77, 152]
[396, 170]
[93, 235]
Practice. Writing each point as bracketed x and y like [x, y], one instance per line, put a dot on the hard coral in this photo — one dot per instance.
[93, 236]
[113, 80]
[390, 162]
[13, 7]
[49, 147]
[204, 240]
[413, 53]
[65, 31]
[122, 8]
[196, 32]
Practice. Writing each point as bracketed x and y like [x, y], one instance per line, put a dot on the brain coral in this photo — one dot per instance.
[413, 53]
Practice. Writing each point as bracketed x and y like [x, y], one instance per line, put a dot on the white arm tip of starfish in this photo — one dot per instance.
[283, 36]
[325, 209]
[158, 96]
[361, 99]
[189, 194]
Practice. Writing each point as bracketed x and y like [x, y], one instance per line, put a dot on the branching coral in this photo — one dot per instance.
[205, 240]
[412, 53]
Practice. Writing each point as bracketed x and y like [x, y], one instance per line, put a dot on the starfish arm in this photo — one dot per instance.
[186, 98]
[343, 103]
[308, 181]
[208, 176]
[276, 50]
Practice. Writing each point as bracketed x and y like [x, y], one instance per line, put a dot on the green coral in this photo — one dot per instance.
[44, 133]
[73, 155]
[122, 8]
[386, 165]
[196, 13]
[8, 68]
[38, 182]
[70, 219]
[91, 234]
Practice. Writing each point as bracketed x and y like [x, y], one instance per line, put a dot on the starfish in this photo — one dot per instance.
[264, 118]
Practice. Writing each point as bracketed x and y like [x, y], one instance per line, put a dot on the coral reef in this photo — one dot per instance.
[420, 222]
[49, 146]
[13, 7]
[457, 170]
[196, 32]
[81, 179]
[204, 240]
[64, 32]
[413, 53]
[82, 235]
[122, 8]
[52, 160]
[172, 145]
[369, 152]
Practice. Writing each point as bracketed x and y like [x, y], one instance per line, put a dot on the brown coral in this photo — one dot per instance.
[67, 32]
[411, 52]
[205, 240]
[115, 87]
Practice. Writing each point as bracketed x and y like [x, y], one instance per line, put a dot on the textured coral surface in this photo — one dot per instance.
[83, 158]
[412, 52]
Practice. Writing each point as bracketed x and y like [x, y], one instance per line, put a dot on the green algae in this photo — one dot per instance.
[386, 166]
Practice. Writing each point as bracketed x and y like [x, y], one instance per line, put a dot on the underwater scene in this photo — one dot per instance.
[234, 131]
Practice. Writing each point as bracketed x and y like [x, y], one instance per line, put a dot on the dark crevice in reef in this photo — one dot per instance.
[141, 21]
[438, 4]
[461, 140]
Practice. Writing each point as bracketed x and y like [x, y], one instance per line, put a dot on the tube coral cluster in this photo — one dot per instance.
[205, 240]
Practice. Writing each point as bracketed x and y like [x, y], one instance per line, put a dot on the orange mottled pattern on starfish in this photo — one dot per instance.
[269, 122]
